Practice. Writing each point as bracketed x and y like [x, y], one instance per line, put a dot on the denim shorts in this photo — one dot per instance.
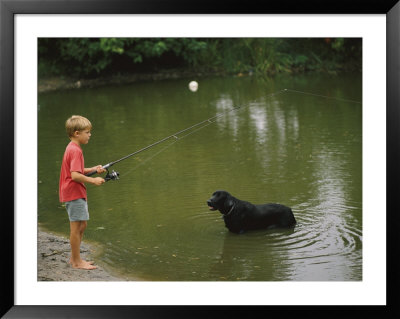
[77, 210]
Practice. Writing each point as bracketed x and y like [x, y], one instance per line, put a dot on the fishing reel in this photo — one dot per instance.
[111, 176]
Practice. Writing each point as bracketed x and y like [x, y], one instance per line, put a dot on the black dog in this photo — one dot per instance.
[240, 216]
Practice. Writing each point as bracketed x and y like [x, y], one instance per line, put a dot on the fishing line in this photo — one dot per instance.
[208, 122]
[324, 96]
[115, 175]
[168, 146]
[199, 126]
[150, 158]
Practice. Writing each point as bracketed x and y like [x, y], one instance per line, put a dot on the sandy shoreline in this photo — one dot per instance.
[53, 254]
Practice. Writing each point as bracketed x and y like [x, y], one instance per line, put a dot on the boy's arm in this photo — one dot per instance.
[78, 177]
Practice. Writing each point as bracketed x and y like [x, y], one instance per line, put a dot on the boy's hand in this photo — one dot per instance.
[98, 181]
[78, 177]
[99, 169]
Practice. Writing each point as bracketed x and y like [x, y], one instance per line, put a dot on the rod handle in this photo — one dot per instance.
[95, 171]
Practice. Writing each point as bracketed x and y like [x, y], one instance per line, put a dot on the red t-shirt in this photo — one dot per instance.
[72, 162]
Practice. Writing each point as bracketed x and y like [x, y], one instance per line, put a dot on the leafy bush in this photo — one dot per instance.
[86, 57]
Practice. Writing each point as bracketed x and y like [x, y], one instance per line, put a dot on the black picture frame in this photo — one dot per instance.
[8, 10]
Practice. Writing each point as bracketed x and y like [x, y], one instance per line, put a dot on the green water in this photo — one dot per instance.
[301, 150]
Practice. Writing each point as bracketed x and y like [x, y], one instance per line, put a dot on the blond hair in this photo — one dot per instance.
[77, 123]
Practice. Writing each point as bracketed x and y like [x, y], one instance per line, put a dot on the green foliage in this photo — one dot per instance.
[85, 57]
[338, 44]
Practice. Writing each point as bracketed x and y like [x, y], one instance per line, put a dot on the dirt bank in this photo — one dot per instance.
[61, 83]
[53, 254]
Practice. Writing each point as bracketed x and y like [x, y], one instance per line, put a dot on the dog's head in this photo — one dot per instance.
[222, 201]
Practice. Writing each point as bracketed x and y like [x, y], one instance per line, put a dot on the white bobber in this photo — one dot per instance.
[193, 86]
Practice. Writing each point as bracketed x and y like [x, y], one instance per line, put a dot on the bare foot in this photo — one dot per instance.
[90, 262]
[83, 265]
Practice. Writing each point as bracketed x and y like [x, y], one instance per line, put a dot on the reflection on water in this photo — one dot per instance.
[300, 150]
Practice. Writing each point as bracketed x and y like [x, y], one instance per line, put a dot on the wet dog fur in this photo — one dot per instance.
[241, 216]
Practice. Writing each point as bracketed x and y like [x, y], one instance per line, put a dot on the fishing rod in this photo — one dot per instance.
[115, 175]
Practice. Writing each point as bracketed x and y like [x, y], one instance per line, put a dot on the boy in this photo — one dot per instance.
[72, 189]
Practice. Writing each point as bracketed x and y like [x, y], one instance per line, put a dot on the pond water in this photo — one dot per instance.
[300, 150]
